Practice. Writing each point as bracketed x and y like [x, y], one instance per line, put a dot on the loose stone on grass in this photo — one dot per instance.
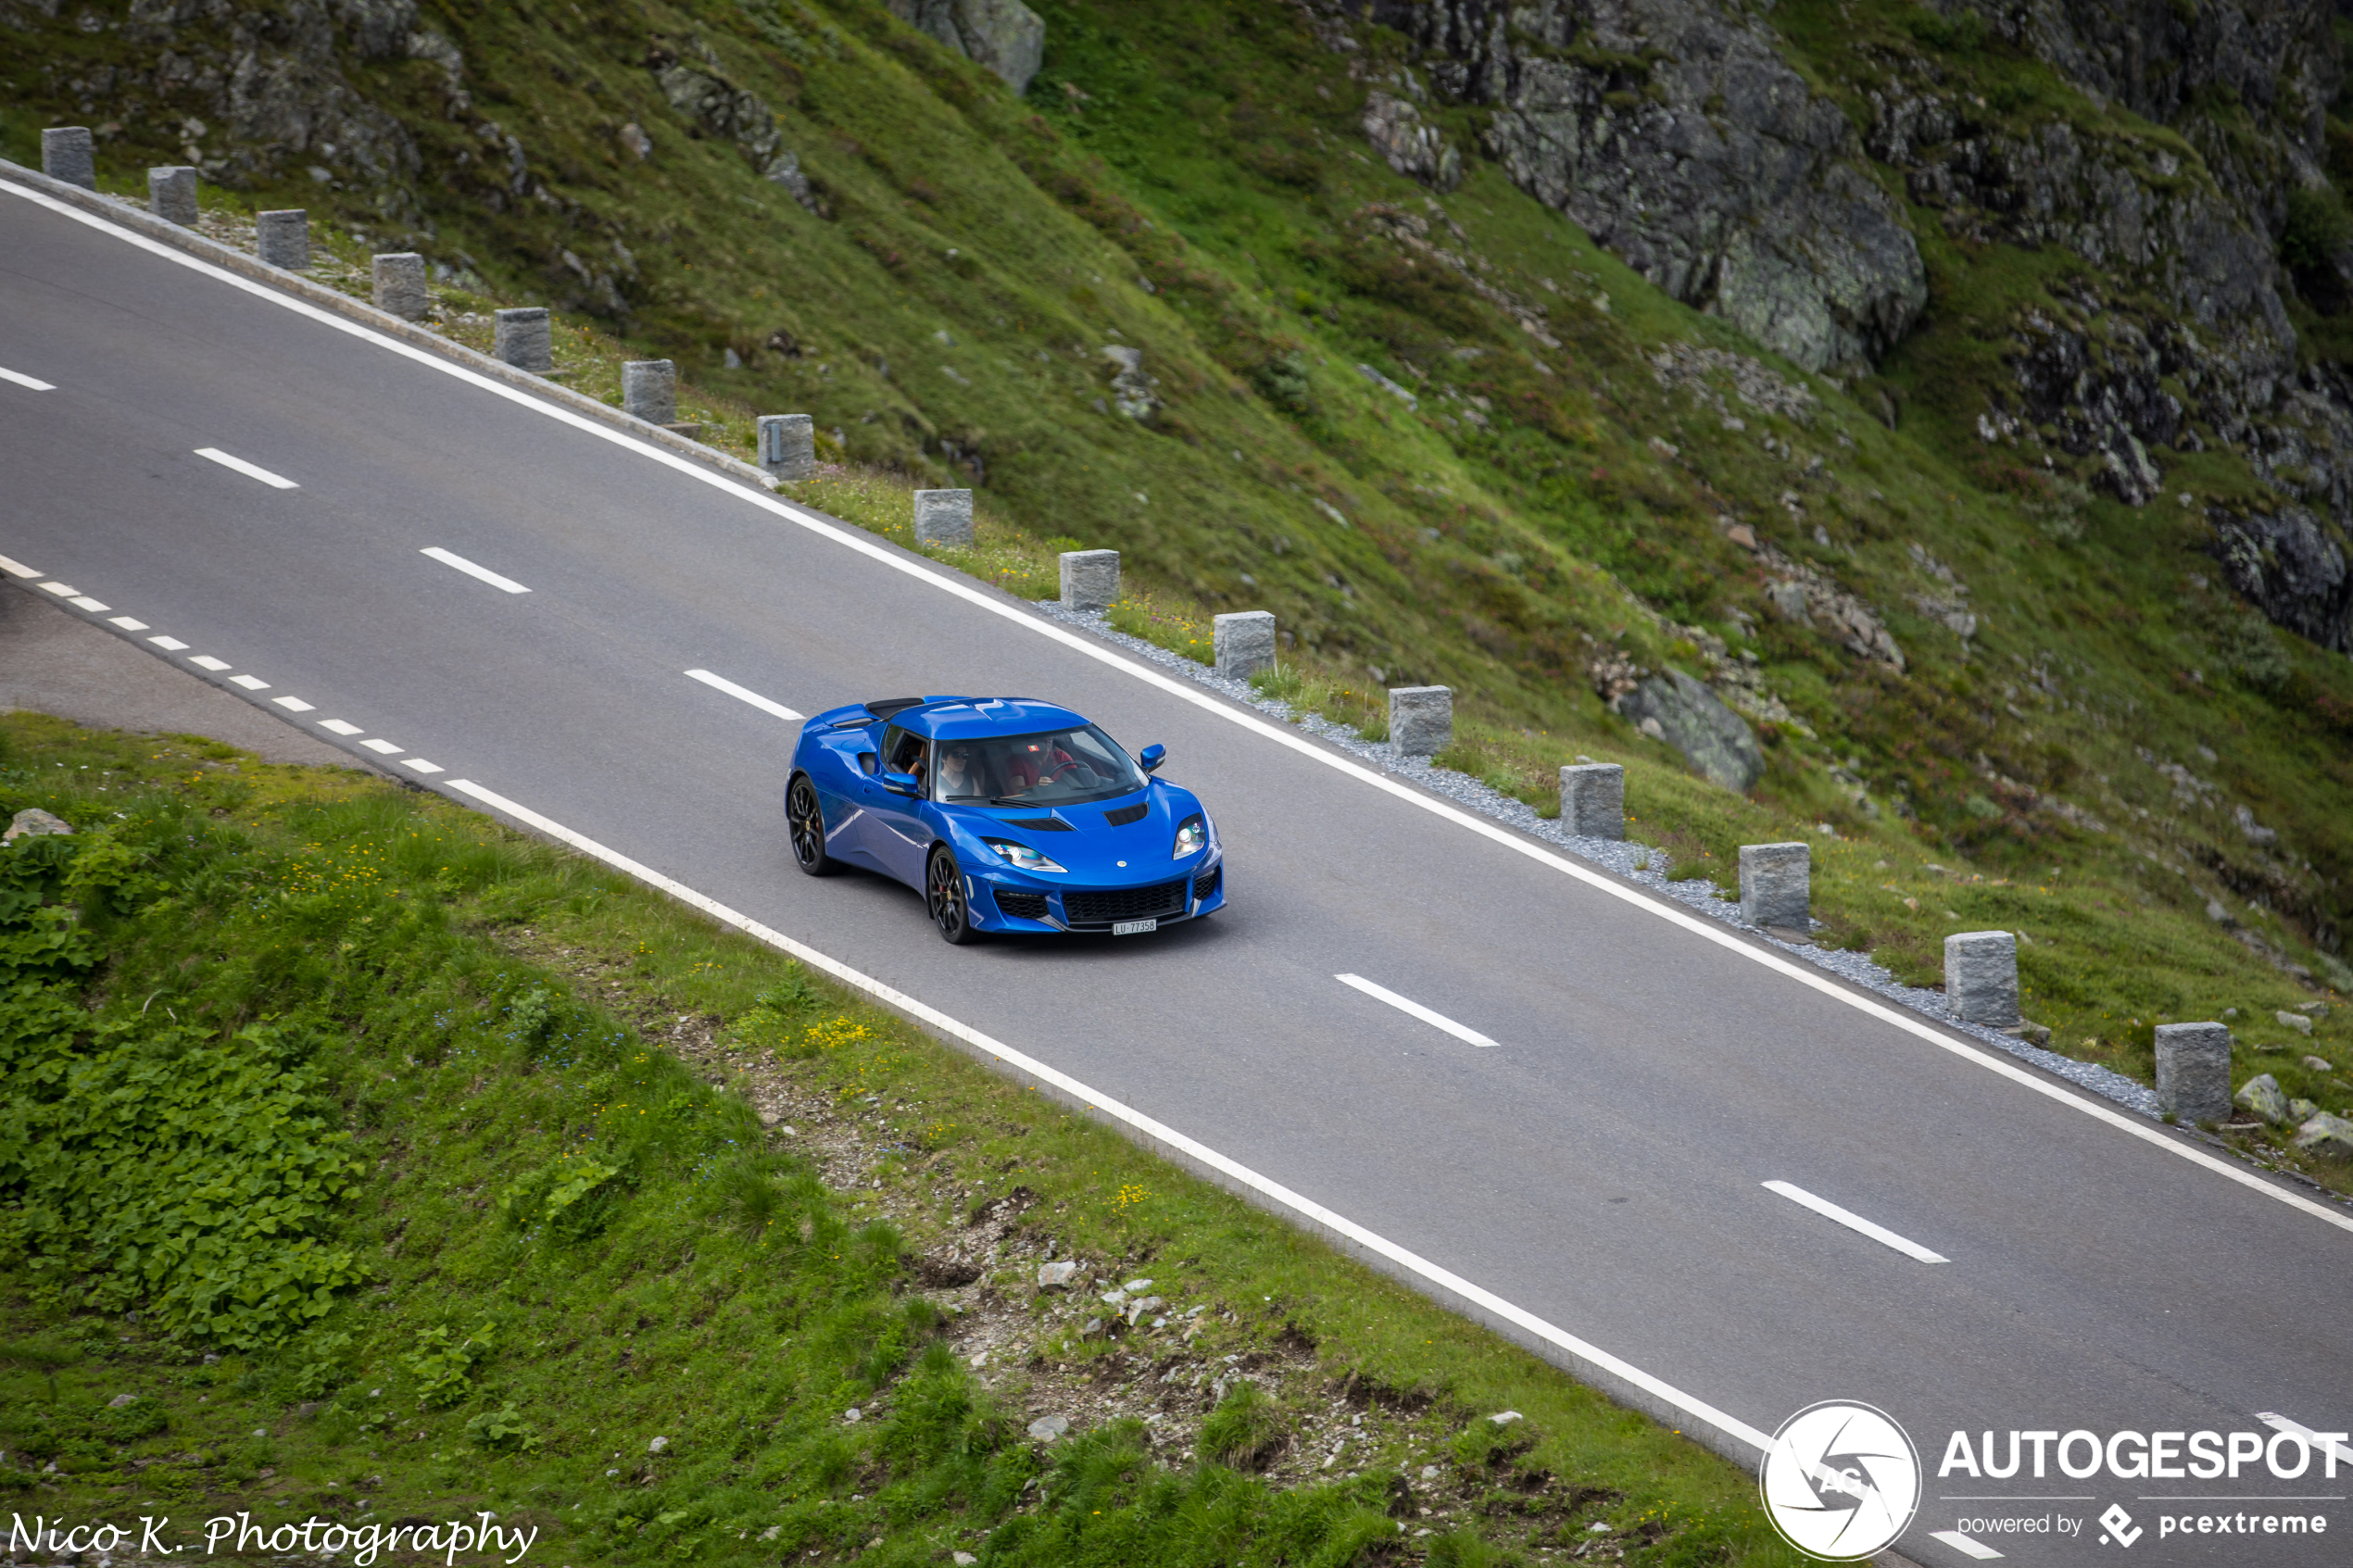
[2329, 1137]
[2263, 1096]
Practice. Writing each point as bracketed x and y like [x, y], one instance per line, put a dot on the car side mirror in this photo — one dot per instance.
[1152, 757]
[899, 784]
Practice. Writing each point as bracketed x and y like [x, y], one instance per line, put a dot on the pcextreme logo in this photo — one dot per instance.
[1841, 1481]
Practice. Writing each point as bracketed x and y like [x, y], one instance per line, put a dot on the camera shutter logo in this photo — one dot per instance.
[1841, 1481]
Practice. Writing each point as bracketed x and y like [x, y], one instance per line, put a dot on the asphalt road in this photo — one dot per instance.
[1601, 1168]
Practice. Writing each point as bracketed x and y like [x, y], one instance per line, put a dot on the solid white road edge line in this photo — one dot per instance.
[1306, 1208]
[1855, 1222]
[1407, 1005]
[448, 558]
[20, 378]
[972, 592]
[2328, 1442]
[718, 683]
[1963, 1545]
[251, 471]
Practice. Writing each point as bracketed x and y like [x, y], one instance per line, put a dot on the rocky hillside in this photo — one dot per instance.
[1929, 420]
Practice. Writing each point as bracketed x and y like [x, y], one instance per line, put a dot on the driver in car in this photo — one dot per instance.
[1036, 763]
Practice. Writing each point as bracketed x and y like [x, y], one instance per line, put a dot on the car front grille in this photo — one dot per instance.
[1125, 903]
[1206, 885]
[1021, 906]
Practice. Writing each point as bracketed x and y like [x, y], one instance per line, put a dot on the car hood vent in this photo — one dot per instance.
[1038, 824]
[1127, 814]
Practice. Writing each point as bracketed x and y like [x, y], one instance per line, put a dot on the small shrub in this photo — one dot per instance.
[1245, 1431]
[502, 1431]
[2317, 229]
[443, 1365]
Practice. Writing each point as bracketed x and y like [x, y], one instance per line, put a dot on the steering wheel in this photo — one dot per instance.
[1054, 775]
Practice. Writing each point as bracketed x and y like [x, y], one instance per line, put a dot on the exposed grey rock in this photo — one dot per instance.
[660, 1444]
[1131, 388]
[1505, 1418]
[1004, 35]
[1711, 736]
[67, 153]
[1046, 1428]
[944, 517]
[2295, 1021]
[2290, 565]
[1090, 579]
[122, 1399]
[2262, 1095]
[650, 389]
[1243, 643]
[1593, 800]
[2319, 1064]
[1776, 891]
[1981, 977]
[32, 822]
[1410, 146]
[1421, 719]
[2193, 1071]
[1056, 1276]
[520, 338]
[1142, 1304]
[282, 238]
[172, 194]
[2300, 1110]
[2331, 1136]
[1678, 136]
[788, 445]
[399, 277]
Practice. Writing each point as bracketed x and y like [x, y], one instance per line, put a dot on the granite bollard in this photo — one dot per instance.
[1593, 799]
[282, 238]
[67, 153]
[1981, 978]
[2194, 1071]
[1090, 579]
[521, 339]
[1776, 887]
[1421, 719]
[1243, 643]
[650, 389]
[788, 446]
[944, 517]
[172, 194]
[400, 285]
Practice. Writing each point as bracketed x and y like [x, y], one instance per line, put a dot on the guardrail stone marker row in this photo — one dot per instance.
[282, 238]
[1243, 643]
[1776, 887]
[944, 517]
[789, 450]
[650, 389]
[67, 154]
[1593, 799]
[522, 339]
[1090, 579]
[1421, 719]
[171, 194]
[1981, 978]
[400, 285]
[2193, 1071]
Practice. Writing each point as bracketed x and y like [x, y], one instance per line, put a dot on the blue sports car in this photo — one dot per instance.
[1007, 814]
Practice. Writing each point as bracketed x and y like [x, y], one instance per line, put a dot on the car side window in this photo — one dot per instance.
[903, 749]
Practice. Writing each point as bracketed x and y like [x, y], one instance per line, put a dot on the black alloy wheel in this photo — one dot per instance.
[944, 893]
[805, 820]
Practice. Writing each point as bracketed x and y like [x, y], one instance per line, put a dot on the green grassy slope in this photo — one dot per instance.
[1190, 180]
[362, 1164]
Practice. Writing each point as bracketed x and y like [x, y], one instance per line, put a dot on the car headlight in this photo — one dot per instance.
[1192, 836]
[1020, 856]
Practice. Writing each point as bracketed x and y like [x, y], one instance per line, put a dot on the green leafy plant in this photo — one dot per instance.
[502, 1431]
[443, 1364]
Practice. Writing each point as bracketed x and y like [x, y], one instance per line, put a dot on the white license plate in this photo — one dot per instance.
[1134, 927]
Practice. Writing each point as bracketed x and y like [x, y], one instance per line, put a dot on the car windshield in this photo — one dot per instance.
[1057, 768]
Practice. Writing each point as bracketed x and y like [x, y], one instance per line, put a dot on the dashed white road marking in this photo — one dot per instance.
[251, 471]
[33, 383]
[63, 590]
[384, 745]
[1855, 1222]
[340, 726]
[718, 683]
[169, 645]
[1406, 1004]
[250, 682]
[128, 625]
[83, 601]
[420, 765]
[1965, 1546]
[206, 661]
[292, 704]
[18, 568]
[447, 558]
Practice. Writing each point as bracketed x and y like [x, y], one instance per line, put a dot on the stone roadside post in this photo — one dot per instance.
[400, 285]
[1593, 799]
[282, 238]
[650, 389]
[943, 517]
[1421, 719]
[172, 194]
[1776, 887]
[521, 339]
[1981, 978]
[1243, 643]
[2194, 1071]
[788, 446]
[67, 153]
[1090, 579]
